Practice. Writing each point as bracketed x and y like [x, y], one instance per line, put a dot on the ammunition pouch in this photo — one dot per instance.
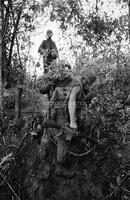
[52, 113]
[67, 133]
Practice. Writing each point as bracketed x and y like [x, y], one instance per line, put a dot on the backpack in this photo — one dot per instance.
[59, 101]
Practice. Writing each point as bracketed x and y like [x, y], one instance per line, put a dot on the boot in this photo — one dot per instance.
[62, 171]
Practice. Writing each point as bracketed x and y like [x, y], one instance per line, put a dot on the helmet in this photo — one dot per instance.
[90, 77]
[49, 33]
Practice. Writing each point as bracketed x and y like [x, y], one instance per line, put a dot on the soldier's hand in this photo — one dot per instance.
[70, 133]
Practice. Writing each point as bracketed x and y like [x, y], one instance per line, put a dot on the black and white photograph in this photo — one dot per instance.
[64, 99]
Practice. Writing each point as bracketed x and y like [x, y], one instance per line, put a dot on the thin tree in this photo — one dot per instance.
[128, 99]
[1, 58]
[129, 20]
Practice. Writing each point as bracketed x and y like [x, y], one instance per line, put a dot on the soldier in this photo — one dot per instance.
[66, 104]
[48, 50]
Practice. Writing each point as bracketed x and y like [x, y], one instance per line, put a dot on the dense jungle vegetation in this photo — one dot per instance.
[102, 164]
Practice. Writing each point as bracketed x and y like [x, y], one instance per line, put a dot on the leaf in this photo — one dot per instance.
[118, 180]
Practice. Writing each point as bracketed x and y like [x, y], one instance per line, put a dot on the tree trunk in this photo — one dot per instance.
[18, 93]
[1, 59]
[128, 133]
[14, 36]
[129, 20]
[128, 103]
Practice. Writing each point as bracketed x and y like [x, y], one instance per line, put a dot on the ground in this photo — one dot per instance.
[30, 171]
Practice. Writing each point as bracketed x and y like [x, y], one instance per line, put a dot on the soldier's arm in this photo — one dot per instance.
[41, 47]
[55, 48]
[72, 106]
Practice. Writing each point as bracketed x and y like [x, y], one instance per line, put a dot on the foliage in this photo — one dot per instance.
[90, 24]
[108, 122]
[18, 18]
[101, 165]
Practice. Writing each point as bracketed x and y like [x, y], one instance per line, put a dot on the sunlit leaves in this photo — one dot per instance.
[92, 26]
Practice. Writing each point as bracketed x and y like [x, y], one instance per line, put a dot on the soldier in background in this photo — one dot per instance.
[48, 50]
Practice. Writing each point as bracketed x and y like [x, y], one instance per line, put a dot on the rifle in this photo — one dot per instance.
[69, 133]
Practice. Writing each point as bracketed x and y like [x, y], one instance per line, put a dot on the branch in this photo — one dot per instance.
[6, 19]
[18, 198]
[129, 20]
[6, 158]
[13, 36]
[18, 51]
[15, 30]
